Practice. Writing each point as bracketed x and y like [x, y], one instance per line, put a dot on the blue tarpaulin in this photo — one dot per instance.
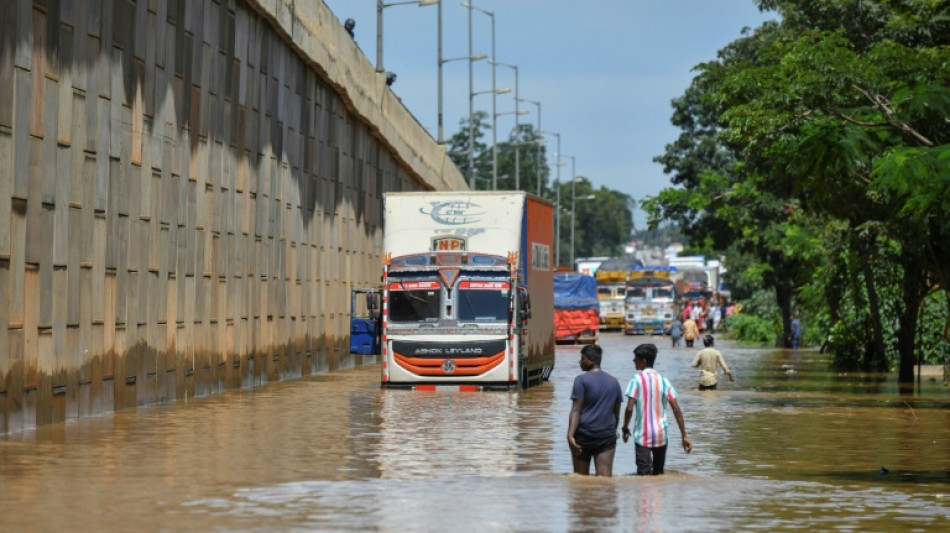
[575, 291]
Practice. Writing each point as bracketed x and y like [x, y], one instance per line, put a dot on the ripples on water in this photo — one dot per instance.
[776, 450]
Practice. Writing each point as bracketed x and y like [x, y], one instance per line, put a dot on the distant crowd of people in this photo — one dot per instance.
[698, 317]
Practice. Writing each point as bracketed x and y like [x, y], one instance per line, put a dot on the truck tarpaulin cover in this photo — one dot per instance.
[576, 308]
[575, 291]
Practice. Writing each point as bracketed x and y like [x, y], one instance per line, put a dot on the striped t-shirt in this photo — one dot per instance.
[650, 392]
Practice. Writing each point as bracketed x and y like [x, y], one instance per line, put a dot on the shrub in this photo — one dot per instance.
[750, 329]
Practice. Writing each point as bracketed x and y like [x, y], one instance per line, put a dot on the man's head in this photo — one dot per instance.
[592, 353]
[645, 353]
[708, 340]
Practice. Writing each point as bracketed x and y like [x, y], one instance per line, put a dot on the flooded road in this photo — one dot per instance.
[790, 445]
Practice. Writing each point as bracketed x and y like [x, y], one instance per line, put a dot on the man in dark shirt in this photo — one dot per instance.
[595, 415]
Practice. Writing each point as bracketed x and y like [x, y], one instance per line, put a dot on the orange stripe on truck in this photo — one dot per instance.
[463, 367]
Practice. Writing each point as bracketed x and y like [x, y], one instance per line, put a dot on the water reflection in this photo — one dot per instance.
[593, 504]
[772, 451]
[433, 434]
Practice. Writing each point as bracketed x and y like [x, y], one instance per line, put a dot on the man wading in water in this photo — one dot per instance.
[708, 360]
[595, 415]
[648, 394]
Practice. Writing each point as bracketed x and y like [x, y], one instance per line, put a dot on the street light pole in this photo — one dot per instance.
[557, 202]
[471, 107]
[441, 139]
[494, 130]
[535, 102]
[573, 198]
[517, 127]
[379, 25]
[476, 57]
[494, 112]
[557, 218]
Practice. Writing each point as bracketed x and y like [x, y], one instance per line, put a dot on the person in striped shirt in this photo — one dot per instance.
[648, 394]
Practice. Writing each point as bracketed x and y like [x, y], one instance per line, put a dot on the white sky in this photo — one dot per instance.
[604, 71]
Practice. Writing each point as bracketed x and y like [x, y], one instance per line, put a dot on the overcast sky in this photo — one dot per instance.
[604, 70]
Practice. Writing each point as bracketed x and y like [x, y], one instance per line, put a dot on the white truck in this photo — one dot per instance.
[467, 295]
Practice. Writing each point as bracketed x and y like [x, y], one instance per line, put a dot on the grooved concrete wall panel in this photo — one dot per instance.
[188, 192]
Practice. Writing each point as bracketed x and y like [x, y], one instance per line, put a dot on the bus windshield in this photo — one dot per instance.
[414, 301]
[483, 301]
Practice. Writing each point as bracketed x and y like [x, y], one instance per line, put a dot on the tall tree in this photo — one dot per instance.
[840, 111]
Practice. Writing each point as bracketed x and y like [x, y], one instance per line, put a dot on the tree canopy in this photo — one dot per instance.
[824, 132]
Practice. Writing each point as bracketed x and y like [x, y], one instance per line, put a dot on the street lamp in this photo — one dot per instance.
[574, 180]
[535, 102]
[586, 197]
[557, 202]
[494, 139]
[517, 128]
[476, 57]
[471, 97]
[379, 24]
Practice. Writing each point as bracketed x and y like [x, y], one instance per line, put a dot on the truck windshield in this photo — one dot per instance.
[414, 301]
[663, 292]
[636, 293]
[483, 301]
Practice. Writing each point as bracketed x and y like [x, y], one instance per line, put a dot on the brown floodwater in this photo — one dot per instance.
[791, 445]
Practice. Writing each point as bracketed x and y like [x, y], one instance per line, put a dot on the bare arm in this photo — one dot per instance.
[722, 363]
[627, 415]
[687, 445]
[572, 423]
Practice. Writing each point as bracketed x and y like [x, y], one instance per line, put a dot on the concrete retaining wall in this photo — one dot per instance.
[188, 190]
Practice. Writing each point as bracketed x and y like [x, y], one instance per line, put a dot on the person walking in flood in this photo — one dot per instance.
[690, 332]
[595, 415]
[709, 360]
[648, 395]
[795, 335]
[676, 331]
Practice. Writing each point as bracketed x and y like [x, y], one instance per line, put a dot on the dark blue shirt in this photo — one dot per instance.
[796, 328]
[676, 330]
[601, 393]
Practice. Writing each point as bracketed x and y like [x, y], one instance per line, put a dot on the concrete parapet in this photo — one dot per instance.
[188, 190]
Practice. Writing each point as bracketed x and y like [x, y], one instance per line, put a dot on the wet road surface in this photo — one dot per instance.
[791, 445]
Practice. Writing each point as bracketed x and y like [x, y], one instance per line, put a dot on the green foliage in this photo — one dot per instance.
[934, 348]
[814, 154]
[751, 329]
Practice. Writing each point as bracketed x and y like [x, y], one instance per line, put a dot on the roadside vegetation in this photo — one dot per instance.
[814, 158]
